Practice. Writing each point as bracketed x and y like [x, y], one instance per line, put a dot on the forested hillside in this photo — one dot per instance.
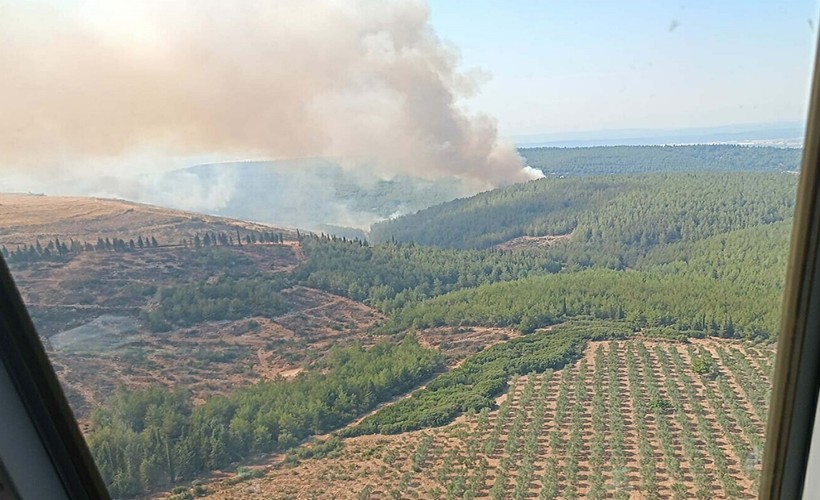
[643, 159]
[389, 277]
[612, 220]
[750, 258]
[702, 254]
[696, 305]
[143, 439]
[658, 258]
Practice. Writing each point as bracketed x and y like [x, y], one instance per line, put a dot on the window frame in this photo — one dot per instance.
[797, 370]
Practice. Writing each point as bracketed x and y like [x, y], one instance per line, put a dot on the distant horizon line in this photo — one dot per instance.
[778, 134]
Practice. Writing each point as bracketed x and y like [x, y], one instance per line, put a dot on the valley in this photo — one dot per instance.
[600, 336]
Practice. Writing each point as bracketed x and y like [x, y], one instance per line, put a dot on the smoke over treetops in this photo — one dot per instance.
[358, 79]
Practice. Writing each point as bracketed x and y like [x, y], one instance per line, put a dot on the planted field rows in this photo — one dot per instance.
[631, 419]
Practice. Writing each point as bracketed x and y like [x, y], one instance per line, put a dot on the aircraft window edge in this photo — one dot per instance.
[37, 385]
[794, 391]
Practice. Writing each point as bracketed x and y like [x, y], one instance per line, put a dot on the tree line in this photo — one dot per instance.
[481, 378]
[55, 249]
[144, 439]
[222, 238]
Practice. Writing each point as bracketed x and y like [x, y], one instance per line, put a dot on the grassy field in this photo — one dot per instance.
[26, 217]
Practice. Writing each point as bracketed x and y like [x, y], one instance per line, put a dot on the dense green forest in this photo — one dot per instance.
[703, 253]
[389, 277]
[644, 299]
[143, 439]
[731, 280]
[751, 258]
[475, 384]
[644, 159]
[700, 253]
[226, 298]
[613, 220]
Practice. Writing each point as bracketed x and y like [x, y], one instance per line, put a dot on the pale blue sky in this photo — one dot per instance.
[572, 65]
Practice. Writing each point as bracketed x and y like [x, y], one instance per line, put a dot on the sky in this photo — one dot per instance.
[576, 65]
[96, 92]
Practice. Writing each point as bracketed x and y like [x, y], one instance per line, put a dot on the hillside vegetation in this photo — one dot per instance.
[612, 219]
[147, 438]
[652, 261]
[700, 253]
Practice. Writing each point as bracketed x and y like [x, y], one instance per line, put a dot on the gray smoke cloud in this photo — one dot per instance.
[364, 80]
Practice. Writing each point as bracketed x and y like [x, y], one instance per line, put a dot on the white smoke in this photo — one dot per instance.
[359, 79]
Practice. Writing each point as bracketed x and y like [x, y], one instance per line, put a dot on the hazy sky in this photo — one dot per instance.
[95, 91]
[588, 65]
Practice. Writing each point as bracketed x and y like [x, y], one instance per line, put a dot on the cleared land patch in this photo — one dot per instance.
[529, 242]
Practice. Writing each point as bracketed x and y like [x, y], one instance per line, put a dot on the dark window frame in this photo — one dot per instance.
[23, 356]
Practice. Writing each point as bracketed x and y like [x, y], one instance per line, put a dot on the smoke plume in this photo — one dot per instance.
[364, 80]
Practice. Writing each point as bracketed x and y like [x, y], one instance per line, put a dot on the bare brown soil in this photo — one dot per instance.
[385, 467]
[529, 242]
[208, 359]
[218, 357]
[63, 295]
[457, 343]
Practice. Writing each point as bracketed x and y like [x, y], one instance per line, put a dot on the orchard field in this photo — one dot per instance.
[630, 419]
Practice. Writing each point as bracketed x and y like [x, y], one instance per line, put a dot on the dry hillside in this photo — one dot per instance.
[25, 218]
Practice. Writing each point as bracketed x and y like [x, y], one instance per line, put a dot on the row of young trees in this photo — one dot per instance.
[641, 408]
[56, 249]
[222, 238]
[144, 439]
